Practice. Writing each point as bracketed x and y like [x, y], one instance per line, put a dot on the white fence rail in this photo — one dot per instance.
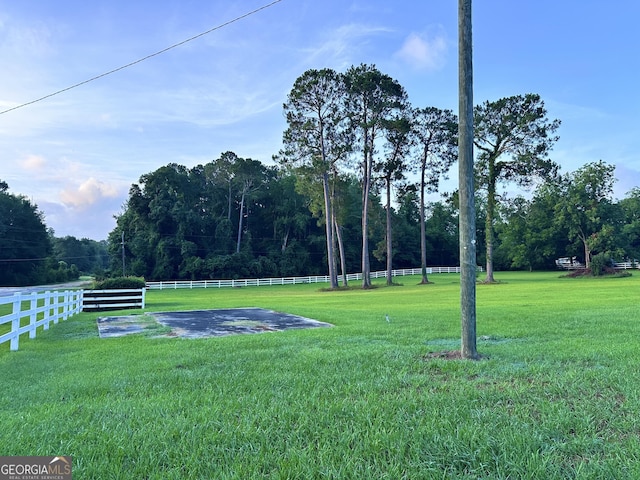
[43, 308]
[248, 282]
[566, 264]
[113, 299]
[626, 265]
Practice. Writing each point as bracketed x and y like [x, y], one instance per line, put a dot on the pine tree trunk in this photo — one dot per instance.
[423, 228]
[240, 223]
[366, 185]
[489, 236]
[328, 217]
[389, 236]
[343, 264]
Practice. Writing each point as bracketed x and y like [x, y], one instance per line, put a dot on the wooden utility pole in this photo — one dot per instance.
[465, 179]
[123, 274]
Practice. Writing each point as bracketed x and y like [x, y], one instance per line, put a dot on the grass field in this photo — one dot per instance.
[556, 397]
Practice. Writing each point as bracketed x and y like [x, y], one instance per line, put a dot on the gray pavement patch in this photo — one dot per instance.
[207, 323]
[125, 325]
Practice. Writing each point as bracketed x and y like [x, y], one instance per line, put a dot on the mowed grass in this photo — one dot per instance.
[557, 395]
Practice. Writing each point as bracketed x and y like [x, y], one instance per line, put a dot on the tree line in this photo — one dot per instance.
[572, 215]
[342, 194]
[348, 192]
[238, 218]
[30, 254]
[349, 135]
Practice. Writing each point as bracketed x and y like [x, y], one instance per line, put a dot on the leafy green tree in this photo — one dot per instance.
[442, 233]
[250, 176]
[24, 241]
[435, 133]
[158, 224]
[393, 169]
[630, 233]
[176, 223]
[317, 138]
[406, 229]
[372, 99]
[528, 236]
[348, 208]
[288, 223]
[586, 207]
[220, 176]
[513, 136]
[89, 256]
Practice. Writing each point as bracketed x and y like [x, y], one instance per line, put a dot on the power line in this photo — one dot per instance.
[144, 58]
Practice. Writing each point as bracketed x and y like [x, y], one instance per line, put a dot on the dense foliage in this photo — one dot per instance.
[281, 236]
[24, 242]
[347, 193]
[513, 137]
[30, 254]
[119, 282]
[573, 215]
[90, 257]
[341, 197]
[182, 223]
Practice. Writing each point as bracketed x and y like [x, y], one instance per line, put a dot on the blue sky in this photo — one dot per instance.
[76, 154]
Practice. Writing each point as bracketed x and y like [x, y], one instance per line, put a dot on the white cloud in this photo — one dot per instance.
[88, 193]
[343, 44]
[34, 163]
[86, 209]
[424, 51]
[94, 221]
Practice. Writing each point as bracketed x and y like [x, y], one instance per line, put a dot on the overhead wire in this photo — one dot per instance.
[115, 70]
[164, 50]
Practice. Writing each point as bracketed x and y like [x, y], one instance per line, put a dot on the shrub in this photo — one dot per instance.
[120, 282]
[599, 264]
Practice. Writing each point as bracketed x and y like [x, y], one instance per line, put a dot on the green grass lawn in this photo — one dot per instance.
[557, 395]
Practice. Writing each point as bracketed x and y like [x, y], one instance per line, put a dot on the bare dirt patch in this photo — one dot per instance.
[450, 355]
[446, 355]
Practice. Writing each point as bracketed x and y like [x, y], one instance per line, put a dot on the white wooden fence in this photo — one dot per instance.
[43, 308]
[113, 299]
[566, 264]
[626, 265]
[247, 282]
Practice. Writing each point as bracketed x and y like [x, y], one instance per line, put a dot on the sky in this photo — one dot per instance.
[77, 153]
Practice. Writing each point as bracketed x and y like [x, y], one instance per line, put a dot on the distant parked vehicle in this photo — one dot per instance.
[569, 263]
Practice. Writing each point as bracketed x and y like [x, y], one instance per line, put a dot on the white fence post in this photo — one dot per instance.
[42, 309]
[33, 317]
[58, 296]
[66, 303]
[47, 309]
[15, 321]
[79, 301]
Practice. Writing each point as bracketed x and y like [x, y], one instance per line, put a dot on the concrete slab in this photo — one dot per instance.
[125, 325]
[207, 323]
